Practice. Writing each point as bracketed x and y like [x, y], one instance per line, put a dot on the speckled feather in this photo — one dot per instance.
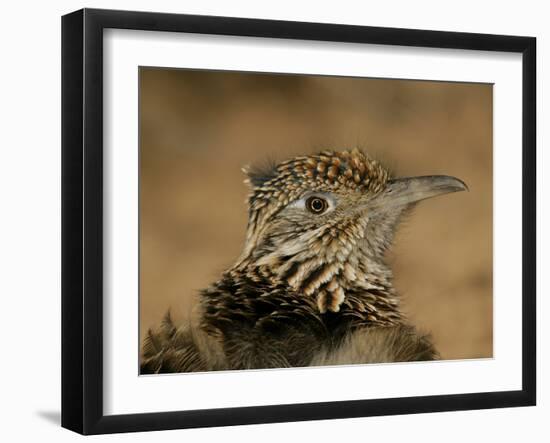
[305, 288]
[329, 267]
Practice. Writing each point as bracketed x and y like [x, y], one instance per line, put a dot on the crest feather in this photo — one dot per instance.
[259, 174]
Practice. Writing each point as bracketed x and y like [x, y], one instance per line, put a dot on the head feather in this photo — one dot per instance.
[259, 174]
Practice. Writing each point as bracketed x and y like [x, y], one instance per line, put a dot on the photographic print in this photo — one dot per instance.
[277, 212]
[292, 220]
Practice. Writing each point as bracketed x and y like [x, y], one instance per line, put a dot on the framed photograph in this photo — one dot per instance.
[268, 221]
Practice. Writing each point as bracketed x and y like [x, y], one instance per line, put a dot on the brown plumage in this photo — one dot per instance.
[311, 286]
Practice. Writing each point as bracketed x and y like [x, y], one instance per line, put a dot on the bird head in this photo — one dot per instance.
[322, 223]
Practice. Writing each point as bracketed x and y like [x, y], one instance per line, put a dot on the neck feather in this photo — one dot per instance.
[355, 284]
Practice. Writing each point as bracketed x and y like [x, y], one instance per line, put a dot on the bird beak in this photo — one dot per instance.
[402, 192]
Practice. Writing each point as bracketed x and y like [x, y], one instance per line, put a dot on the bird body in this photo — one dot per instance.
[311, 286]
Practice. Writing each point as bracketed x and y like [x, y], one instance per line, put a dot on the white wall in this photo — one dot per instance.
[30, 217]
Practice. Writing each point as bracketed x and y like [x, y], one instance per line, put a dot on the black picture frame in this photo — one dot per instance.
[82, 220]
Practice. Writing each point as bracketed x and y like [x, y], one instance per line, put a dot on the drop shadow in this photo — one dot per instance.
[54, 417]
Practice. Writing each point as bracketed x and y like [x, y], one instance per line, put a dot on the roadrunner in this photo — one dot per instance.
[311, 286]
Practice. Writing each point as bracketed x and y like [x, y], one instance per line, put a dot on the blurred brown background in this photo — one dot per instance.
[198, 128]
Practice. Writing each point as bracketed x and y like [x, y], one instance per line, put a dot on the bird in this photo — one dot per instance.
[312, 285]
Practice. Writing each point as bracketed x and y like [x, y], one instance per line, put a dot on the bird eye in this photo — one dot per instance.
[316, 205]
